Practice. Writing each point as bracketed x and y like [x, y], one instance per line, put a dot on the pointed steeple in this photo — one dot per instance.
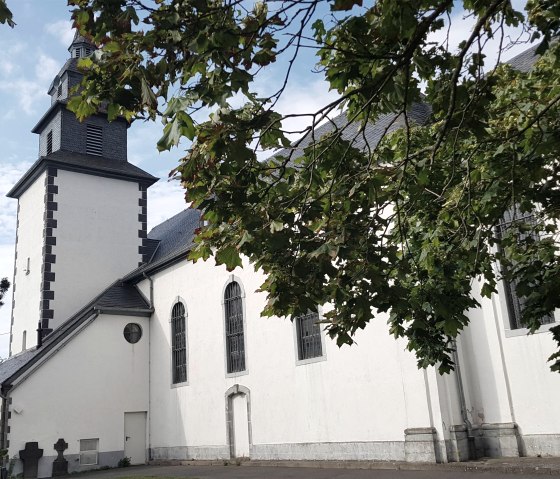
[81, 46]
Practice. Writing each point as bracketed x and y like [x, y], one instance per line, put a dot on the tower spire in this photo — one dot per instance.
[81, 46]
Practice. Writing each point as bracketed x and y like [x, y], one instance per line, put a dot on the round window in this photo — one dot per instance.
[132, 332]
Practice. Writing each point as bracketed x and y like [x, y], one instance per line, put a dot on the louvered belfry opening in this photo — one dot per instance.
[308, 336]
[179, 344]
[235, 337]
[94, 140]
[515, 303]
[49, 142]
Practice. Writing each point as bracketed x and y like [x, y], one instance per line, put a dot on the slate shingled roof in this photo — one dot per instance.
[93, 164]
[13, 364]
[174, 234]
[525, 60]
[369, 137]
[121, 296]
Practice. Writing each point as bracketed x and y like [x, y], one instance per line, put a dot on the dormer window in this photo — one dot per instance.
[94, 140]
[59, 91]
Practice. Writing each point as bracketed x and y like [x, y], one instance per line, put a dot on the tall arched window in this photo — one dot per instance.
[235, 338]
[179, 344]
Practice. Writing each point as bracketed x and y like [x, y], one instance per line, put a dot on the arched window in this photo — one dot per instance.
[178, 344]
[235, 338]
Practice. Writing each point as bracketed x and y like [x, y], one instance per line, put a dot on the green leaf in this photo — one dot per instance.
[229, 256]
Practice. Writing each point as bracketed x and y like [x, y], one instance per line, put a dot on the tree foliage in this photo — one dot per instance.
[4, 286]
[6, 14]
[405, 225]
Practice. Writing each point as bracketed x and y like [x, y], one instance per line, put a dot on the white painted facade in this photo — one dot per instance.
[29, 259]
[96, 238]
[82, 391]
[364, 402]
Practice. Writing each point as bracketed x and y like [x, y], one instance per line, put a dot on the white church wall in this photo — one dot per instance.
[82, 392]
[510, 388]
[354, 404]
[27, 284]
[534, 388]
[98, 233]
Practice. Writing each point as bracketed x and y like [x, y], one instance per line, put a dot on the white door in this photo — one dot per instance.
[240, 426]
[135, 437]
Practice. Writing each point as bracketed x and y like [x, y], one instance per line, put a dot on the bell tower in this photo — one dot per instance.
[81, 212]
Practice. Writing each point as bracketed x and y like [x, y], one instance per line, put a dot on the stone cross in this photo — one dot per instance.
[60, 464]
[30, 457]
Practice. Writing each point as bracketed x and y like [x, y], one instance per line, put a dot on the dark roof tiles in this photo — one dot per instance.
[175, 234]
[12, 365]
[360, 138]
[121, 296]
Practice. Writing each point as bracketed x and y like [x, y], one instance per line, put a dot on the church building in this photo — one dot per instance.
[121, 348]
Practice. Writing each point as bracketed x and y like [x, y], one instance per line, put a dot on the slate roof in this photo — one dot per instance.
[174, 234]
[525, 60]
[92, 164]
[81, 39]
[14, 363]
[359, 138]
[121, 296]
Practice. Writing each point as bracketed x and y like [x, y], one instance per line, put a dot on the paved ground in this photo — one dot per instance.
[518, 468]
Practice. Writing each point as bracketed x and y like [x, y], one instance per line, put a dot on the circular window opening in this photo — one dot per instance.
[132, 333]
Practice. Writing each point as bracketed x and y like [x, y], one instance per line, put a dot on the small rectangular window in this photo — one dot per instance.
[89, 451]
[49, 142]
[94, 140]
[308, 336]
[59, 91]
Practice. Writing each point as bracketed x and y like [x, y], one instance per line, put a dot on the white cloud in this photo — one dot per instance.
[10, 173]
[165, 199]
[515, 40]
[62, 30]
[25, 91]
[46, 69]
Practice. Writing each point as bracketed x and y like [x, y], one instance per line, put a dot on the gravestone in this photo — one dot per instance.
[60, 464]
[30, 457]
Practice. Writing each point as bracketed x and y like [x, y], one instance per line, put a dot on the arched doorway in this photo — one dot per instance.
[238, 420]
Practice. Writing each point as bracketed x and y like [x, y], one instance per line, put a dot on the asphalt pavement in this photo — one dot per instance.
[194, 470]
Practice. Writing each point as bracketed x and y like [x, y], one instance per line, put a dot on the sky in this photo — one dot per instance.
[32, 54]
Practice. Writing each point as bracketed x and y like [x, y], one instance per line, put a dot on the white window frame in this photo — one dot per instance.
[232, 278]
[178, 299]
[316, 359]
[89, 451]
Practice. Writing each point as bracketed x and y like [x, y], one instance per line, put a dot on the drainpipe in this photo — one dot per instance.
[149, 418]
[3, 428]
[463, 401]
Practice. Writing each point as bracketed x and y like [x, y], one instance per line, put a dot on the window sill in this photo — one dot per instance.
[318, 359]
[179, 385]
[237, 373]
[514, 333]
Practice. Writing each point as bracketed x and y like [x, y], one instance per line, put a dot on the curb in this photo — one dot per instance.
[474, 466]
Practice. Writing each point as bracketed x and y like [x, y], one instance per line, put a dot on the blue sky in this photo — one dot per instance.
[31, 55]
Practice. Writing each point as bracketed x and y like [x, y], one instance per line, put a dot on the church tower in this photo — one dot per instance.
[81, 213]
